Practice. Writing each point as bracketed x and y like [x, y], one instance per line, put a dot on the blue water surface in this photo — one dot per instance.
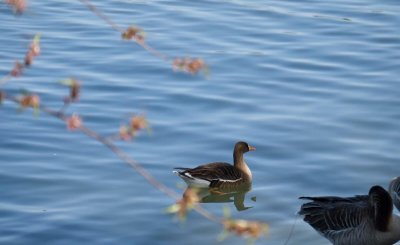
[313, 85]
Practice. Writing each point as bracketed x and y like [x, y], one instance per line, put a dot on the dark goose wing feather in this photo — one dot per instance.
[219, 174]
[328, 214]
[215, 171]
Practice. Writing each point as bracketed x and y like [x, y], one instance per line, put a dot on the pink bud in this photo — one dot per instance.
[74, 122]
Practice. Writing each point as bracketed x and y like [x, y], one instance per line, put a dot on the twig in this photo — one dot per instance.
[253, 229]
[189, 65]
[93, 8]
[113, 25]
[64, 107]
[5, 79]
[121, 154]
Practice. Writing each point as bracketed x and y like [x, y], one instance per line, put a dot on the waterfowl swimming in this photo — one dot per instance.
[359, 220]
[218, 174]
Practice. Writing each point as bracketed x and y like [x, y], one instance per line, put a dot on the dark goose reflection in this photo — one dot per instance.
[227, 194]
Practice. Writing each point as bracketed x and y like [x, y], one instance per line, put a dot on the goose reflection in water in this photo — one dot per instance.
[228, 194]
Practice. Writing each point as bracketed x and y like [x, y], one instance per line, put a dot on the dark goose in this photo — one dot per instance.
[359, 220]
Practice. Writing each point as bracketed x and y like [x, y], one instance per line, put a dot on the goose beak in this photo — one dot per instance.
[252, 148]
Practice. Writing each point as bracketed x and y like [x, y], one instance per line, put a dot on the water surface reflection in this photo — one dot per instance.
[228, 194]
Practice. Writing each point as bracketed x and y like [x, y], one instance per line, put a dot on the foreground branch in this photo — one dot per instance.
[251, 229]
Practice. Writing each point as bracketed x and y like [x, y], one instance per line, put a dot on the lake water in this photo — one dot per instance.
[313, 85]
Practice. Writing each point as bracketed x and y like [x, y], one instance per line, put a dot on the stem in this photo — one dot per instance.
[123, 156]
[114, 26]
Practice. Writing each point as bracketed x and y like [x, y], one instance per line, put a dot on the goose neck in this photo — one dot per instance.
[238, 162]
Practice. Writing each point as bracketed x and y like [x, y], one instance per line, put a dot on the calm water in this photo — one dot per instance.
[314, 85]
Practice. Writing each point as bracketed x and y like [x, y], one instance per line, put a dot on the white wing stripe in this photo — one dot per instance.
[228, 180]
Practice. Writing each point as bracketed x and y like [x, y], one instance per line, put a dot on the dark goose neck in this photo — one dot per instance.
[382, 204]
[238, 158]
[239, 163]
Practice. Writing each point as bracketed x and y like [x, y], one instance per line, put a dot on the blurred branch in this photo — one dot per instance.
[74, 122]
[189, 65]
[252, 229]
[19, 67]
[19, 6]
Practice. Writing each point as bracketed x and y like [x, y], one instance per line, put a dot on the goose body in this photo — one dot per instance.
[359, 220]
[218, 174]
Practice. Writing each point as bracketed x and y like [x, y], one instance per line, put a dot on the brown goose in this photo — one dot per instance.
[218, 174]
[359, 220]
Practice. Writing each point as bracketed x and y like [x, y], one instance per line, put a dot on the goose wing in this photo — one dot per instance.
[219, 171]
[329, 215]
[394, 191]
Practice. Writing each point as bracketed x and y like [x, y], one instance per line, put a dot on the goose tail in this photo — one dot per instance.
[179, 171]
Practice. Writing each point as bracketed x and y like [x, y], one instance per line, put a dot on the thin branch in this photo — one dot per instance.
[5, 79]
[101, 15]
[114, 26]
[189, 65]
[121, 154]
[239, 227]
[252, 229]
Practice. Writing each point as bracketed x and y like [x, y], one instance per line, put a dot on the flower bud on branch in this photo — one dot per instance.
[34, 50]
[135, 33]
[18, 5]
[245, 228]
[189, 65]
[30, 100]
[17, 69]
[188, 201]
[75, 89]
[74, 122]
[136, 123]
[2, 96]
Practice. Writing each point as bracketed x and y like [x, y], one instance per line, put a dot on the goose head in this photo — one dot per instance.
[242, 147]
